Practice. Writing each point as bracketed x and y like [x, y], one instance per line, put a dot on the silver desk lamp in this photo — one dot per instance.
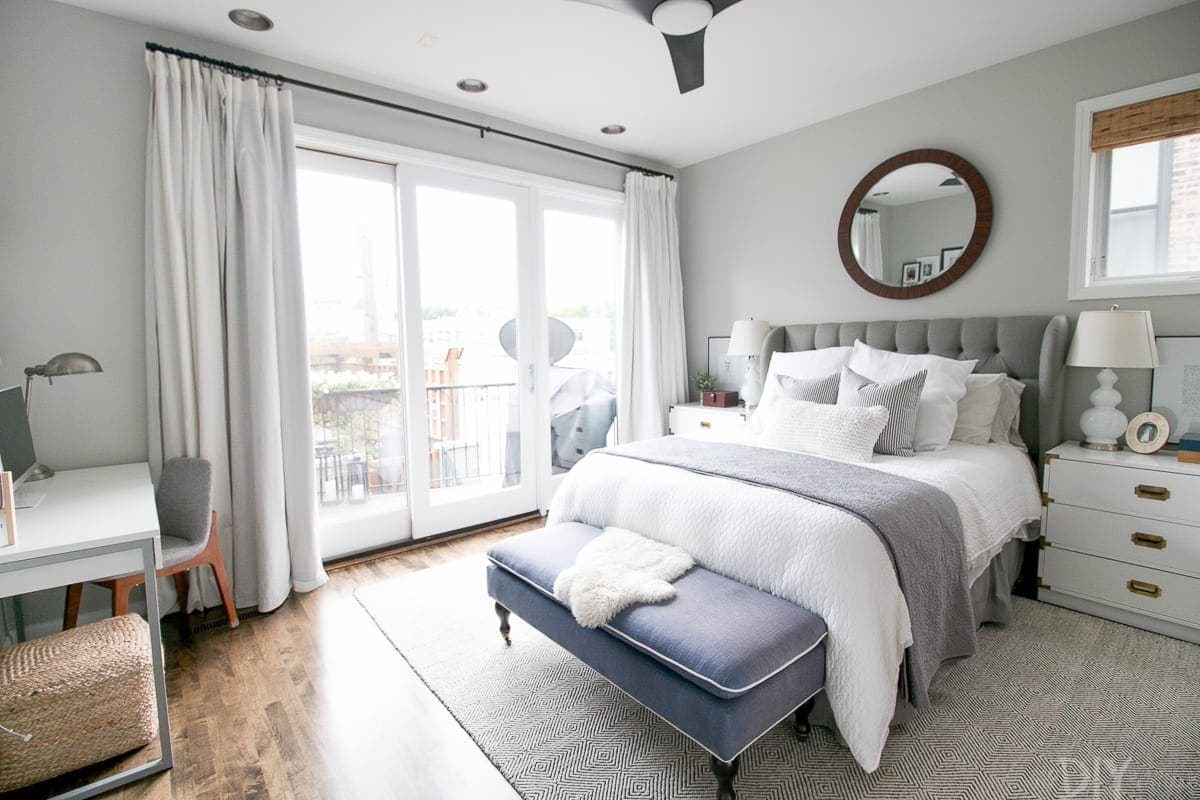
[61, 364]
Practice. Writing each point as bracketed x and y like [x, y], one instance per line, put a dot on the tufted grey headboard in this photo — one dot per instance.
[1031, 349]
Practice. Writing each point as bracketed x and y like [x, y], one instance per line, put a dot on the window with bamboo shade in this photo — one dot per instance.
[1138, 202]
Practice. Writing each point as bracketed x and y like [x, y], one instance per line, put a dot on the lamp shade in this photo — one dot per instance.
[747, 337]
[1114, 339]
[70, 364]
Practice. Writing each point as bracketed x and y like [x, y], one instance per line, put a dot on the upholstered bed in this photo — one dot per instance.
[821, 552]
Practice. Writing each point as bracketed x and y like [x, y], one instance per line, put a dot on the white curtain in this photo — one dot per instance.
[227, 364]
[866, 243]
[652, 355]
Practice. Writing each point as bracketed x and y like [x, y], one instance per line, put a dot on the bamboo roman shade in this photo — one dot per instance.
[1148, 121]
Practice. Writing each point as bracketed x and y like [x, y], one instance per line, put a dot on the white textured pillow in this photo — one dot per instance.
[977, 410]
[802, 364]
[846, 433]
[944, 387]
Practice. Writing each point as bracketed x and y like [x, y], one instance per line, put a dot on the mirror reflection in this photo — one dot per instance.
[913, 224]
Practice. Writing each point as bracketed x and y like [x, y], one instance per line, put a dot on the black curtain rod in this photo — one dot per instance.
[240, 69]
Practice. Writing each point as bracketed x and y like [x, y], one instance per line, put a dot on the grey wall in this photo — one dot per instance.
[923, 229]
[758, 225]
[73, 110]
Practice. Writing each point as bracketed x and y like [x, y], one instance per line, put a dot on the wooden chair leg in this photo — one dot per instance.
[71, 612]
[502, 613]
[121, 588]
[218, 566]
[181, 590]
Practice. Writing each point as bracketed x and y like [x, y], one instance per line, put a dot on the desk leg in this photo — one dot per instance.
[164, 762]
[156, 654]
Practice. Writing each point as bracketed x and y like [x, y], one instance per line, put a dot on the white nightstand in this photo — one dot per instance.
[1121, 538]
[694, 419]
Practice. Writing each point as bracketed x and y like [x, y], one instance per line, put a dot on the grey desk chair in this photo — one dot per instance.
[188, 527]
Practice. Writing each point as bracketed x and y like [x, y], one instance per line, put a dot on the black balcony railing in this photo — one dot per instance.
[360, 445]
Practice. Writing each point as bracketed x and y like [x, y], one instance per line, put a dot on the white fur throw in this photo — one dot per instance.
[616, 570]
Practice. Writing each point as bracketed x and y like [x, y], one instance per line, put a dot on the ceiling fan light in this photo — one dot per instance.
[681, 17]
[953, 180]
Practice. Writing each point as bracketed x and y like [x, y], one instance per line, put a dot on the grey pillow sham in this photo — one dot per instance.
[900, 397]
[813, 390]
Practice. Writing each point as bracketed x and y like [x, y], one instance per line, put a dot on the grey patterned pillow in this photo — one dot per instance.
[812, 390]
[900, 397]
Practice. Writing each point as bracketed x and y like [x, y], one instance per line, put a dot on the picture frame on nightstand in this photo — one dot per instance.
[1175, 391]
[730, 371]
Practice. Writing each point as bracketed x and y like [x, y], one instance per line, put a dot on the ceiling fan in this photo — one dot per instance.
[682, 23]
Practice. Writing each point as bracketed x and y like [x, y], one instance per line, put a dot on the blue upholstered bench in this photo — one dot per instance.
[722, 662]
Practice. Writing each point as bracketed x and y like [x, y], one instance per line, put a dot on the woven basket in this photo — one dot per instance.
[85, 695]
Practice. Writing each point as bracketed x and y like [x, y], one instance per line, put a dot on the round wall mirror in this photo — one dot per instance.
[915, 224]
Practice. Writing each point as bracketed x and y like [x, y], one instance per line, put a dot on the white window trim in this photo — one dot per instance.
[1084, 209]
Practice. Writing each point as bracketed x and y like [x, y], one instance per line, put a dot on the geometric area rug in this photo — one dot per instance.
[1055, 705]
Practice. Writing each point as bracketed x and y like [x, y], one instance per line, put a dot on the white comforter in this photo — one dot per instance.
[786, 545]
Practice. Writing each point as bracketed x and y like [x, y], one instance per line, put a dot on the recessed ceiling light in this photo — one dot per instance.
[681, 17]
[251, 20]
[472, 85]
[613, 130]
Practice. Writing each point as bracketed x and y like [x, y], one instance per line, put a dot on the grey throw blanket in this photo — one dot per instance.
[918, 524]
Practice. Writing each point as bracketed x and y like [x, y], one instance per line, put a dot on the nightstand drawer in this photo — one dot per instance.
[1149, 591]
[695, 420]
[1153, 543]
[1125, 490]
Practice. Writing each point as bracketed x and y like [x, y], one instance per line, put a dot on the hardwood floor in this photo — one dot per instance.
[312, 701]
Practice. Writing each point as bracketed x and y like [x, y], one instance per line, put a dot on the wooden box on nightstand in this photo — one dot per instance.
[712, 422]
[1121, 538]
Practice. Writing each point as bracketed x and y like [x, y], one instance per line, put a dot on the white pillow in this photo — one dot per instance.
[846, 433]
[803, 364]
[977, 410]
[1007, 426]
[944, 387]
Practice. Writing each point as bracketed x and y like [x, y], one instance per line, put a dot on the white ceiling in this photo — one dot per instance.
[915, 183]
[772, 65]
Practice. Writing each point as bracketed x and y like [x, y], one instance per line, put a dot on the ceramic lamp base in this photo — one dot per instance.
[752, 388]
[1103, 424]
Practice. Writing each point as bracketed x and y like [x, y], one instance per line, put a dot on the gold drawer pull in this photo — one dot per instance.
[705, 423]
[1151, 540]
[1152, 492]
[1144, 589]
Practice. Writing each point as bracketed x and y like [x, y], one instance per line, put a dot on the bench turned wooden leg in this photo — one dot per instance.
[803, 728]
[502, 613]
[725, 772]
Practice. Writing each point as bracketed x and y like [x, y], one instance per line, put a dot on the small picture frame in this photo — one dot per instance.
[1147, 433]
[949, 256]
[911, 274]
[8, 511]
[929, 267]
[730, 371]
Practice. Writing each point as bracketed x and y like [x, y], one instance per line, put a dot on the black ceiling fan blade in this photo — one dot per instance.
[720, 5]
[687, 54]
[642, 9]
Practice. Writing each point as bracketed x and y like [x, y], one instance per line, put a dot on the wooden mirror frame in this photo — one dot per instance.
[983, 222]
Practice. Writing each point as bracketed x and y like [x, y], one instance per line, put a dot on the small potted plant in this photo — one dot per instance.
[706, 384]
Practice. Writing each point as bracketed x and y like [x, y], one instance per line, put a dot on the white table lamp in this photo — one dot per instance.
[1108, 339]
[746, 339]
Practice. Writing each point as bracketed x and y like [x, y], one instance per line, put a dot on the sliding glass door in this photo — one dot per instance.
[581, 272]
[348, 243]
[462, 338]
[470, 360]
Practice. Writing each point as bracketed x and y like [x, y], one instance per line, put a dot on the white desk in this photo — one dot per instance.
[94, 524]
